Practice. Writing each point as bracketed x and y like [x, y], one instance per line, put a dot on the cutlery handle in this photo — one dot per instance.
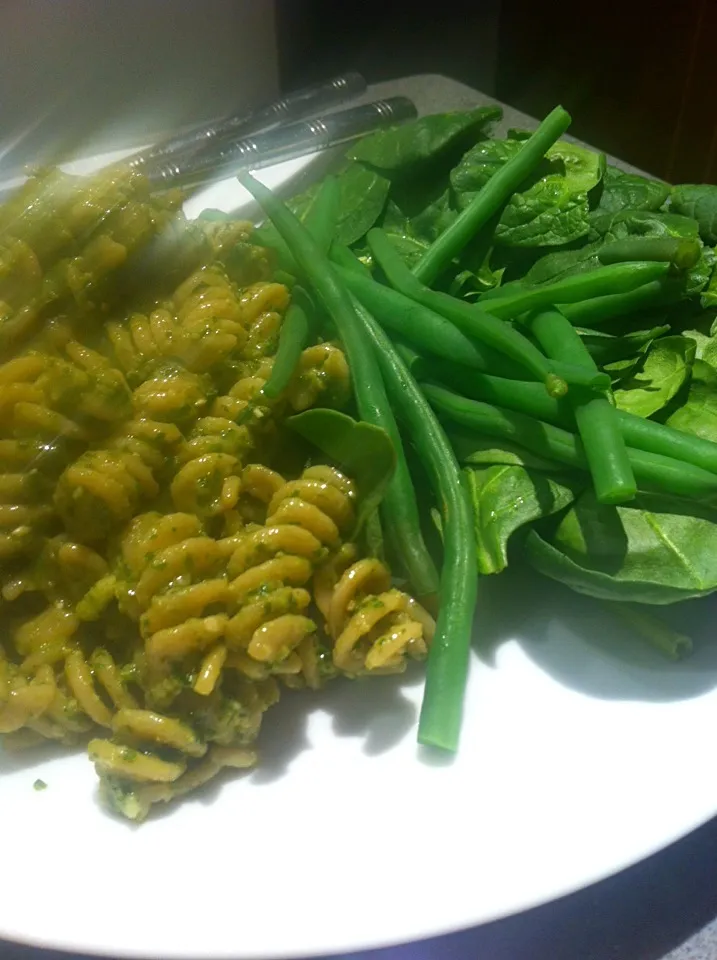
[301, 103]
[283, 143]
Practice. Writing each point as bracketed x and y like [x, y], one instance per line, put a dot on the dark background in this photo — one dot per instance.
[637, 75]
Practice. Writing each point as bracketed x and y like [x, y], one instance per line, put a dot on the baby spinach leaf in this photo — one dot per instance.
[708, 298]
[698, 200]
[564, 263]
[666, 367]
[399, 148]
[605, 349]
[646, 223]
[623, 191]
[411, 248]
[362, 197]
[553, 207]
[698, 414]
[649, 223]
[475, 450]
[705, 373]
[424, 203]
[363, 451]
[413, 224]
[471, 284]
[653, 550]
[705, 347]
[621, 370]
[504, 499]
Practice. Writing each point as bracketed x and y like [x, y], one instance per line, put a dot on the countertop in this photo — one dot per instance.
[663, 908]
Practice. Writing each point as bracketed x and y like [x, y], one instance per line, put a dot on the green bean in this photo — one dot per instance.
[596, 419]
[530, 399]
[681, 252]
[589, 313]
[428, 330]
[412, 359]
[294, 335]
[401, 513]
[659, 439]
[344, 257]
[652, 471]
[491, 197]
[523, 395]
[496, 334]
[323, 214]
[620, 278]
[447, 670]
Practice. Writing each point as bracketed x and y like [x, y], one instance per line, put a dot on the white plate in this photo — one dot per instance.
[577, 758]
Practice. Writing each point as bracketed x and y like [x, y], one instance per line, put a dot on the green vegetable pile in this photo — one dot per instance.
[535, 332]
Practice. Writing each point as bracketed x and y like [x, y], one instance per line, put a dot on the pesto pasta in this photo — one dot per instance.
[172, 555]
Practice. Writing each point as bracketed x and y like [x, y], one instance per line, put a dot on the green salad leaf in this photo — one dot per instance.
[699, 201]
[698, 414]
[652, 550]
[553, 209]
[648, 223]
[475, 450]
[665, 369]
[630, 191]
[705, 346]
[362, 197]
[506, 498]
[400, 149]
[607, 349]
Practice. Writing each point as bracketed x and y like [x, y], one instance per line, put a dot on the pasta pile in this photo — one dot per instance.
[171, 557]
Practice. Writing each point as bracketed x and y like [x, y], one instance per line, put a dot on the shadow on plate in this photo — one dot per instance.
[375, 709]
[575, 640]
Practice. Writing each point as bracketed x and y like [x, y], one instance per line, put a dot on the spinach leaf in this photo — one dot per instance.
[414, 217]
[564, 263]
[698, 200]
[424, 204]
[475, 450]
[623, 191]
[605, 348]
[653, 550]
[708, 298]
[698, 414]
[704, 373]
[621, 370]
[646, 223]
[362, 197]
[705, 347]
[471, 284]
[666, 368]
[363, 451]
[399, 149]
[552, 209]
[504, 499]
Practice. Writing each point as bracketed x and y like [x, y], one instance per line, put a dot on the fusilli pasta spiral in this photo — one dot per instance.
[374, 627]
